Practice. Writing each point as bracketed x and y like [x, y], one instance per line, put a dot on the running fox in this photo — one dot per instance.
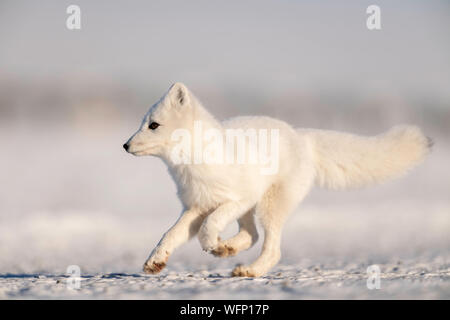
[214, 194]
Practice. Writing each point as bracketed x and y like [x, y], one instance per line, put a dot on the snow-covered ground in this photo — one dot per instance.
[428, 279]
[73, 197]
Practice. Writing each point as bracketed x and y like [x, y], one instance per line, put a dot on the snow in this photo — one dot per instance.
[412, 280]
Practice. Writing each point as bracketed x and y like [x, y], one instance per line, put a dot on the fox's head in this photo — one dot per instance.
[170, 113]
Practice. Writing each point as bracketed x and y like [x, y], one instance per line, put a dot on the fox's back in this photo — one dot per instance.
[292, 146]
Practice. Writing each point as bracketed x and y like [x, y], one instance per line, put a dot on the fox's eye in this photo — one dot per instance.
[153, 125]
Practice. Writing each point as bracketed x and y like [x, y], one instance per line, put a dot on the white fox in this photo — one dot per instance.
[214, 195]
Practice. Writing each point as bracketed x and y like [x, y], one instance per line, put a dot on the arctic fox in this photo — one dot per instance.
[214, 194]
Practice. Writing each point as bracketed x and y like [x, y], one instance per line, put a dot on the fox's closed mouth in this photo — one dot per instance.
[139, 152]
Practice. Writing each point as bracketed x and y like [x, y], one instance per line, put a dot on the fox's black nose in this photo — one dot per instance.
[125, 146]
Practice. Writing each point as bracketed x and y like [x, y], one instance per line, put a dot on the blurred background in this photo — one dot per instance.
[69, 99]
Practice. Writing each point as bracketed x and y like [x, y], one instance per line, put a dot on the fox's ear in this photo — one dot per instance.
[179, 95]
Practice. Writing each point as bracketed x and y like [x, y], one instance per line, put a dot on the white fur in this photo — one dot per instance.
[216, 195]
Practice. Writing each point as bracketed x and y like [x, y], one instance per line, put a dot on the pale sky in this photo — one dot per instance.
[275, 45]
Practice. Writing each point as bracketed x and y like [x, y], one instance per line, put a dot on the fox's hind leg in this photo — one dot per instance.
[277, 203]
[246, 237]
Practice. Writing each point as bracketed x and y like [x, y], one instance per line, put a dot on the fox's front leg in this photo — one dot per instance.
[216, 222]
[185, 228]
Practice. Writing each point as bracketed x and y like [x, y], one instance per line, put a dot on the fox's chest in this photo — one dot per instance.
[201, 189]
[200, 195]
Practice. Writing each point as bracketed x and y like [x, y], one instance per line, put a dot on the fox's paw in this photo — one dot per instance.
[208, 243]
[245, 271]
[156, 262]
[154, 267]
[223, 250]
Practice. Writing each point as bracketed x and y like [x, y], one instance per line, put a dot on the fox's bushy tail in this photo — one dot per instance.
[346, 161]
